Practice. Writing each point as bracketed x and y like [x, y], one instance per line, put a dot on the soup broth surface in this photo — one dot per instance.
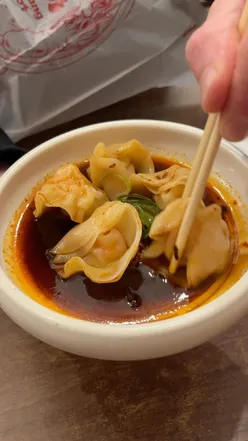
[140, 296]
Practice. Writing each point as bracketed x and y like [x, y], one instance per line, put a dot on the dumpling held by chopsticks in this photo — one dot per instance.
[208, 246]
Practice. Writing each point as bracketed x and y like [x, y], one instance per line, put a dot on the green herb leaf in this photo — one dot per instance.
[146, 208]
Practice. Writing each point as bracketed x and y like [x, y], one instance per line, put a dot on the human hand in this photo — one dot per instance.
[219, 60]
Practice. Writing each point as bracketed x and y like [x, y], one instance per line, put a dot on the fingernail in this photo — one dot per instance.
[207, 80]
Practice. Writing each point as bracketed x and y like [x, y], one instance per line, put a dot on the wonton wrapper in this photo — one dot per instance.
[208, 246]
[122, 160]
[103, 246]
[70, 190]
[166, 185]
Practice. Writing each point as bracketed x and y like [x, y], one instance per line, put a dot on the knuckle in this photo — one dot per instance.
[194, 47]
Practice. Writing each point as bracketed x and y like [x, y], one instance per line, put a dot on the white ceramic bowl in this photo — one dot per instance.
[118, 342]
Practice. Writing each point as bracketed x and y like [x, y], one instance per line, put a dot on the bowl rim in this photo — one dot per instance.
[191, 319]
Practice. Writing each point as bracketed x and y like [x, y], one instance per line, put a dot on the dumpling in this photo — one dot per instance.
[119, 161]
[101, 247]
[164, 180]
[166, 185]
[70, 190]
[134, 155]
[207, 250]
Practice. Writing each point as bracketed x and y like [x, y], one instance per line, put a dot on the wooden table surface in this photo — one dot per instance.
[48, 395]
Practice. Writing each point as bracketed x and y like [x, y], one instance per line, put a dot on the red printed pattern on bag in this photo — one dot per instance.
[33, 5]
[56, 5]
[78, 33]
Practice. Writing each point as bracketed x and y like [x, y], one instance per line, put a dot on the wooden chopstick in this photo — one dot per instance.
[200, 172]
[244, 19]
[199, 156]
[196, 196]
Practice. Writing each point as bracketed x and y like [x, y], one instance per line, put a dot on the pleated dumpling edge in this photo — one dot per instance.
[101, 247]
[67, 188]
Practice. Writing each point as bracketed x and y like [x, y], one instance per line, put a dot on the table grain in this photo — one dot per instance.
[49, 395]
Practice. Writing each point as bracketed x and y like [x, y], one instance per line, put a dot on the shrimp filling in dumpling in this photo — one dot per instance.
[107, 248]
[70, 190]
[101, 247]
[112, 166]
[166, 185]
[208, 247]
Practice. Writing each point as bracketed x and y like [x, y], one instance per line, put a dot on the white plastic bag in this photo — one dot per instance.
[60, 59]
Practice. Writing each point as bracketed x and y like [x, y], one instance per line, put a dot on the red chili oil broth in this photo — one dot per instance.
[140, 296]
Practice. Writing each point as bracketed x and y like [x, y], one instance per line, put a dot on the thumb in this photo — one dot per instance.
[211, 52]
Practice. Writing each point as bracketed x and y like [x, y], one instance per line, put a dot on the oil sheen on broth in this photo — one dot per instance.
[140, 296]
